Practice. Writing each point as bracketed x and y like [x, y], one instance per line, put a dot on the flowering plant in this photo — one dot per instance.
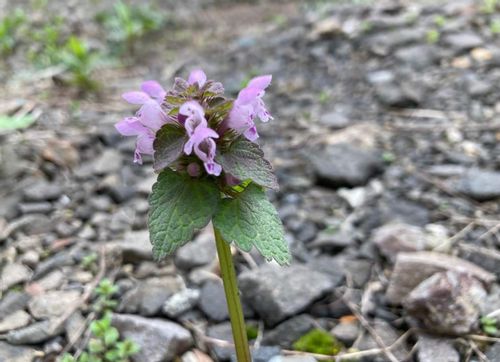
[210, 169]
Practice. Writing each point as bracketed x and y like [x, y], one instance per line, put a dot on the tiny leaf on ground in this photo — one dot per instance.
[168, 145]
[179, 205]
[249, 220]
[245, 160]
[15, 122]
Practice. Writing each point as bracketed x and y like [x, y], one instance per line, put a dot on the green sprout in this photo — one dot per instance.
[432, 36]
[80, 62]
[105, 292]
[440, 21]
[495, 26]
[16, 122]
[105, 344]
[126, 24]
[9, 28]
[324, 97]
[47, 42]
[89, 262]
[489, 325]
[489, 6]
[252, 332]
[318, 341]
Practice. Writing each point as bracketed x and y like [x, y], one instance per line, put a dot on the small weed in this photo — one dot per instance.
[324, 97]
[489, 325]
[48, 42]
[9, 29]
[495, 26]
[489, 6]
[432, 36]
[252, 332]
[105, 292]
[440, 21]
[15, 122]
[388, 157]
[89, 262]
[318, 341]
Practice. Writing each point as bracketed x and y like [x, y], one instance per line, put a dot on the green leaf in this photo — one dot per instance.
[96, 346]
[168, 145]
[249, 220]
[179, 205]
[245, 160]
[111, 336]
[9, 123]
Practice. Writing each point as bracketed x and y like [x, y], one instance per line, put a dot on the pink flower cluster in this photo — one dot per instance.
[155, 111]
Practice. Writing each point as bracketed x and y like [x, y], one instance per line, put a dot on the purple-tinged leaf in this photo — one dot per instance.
[168, 145]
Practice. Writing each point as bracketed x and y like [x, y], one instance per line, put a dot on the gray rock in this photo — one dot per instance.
[344, 165]
[110, 161]
[487, 258]
[393, 238]
[334, 120]
[463, 41]
[57, 261]
[388, 335]
[201, 251]
[493, 353]
[399, 95]
[213, 301]
[52, 280]
[477, 87]
[413, 268]
[346, 332]
[159, 340]
[279, 293]
[16, 320]
[35, 207]
[53, 303]
[359, 270]
[287, 332]
[13, 274]
[432, 349]
[74, 326]
[418, 56]
[384, 43]
[380, 76]
[133, 247]
[148, 297]
[447, 302]
[12, 302]
[481, 185]
[34, 333]
[42, 191]
[327, 239]
[223, 332]
[181, 302]
[262, 354]
[332, 266]
[9, 353]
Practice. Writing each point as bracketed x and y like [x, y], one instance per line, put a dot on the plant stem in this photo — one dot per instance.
[233, 299]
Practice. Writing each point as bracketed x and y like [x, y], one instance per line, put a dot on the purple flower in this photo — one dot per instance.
[148, 119]
[200, 136]
[197, 76]
[248, 106]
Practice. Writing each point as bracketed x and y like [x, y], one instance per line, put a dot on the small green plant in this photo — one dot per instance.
[388, 157]
[495, 26]
[489, 6]
[89, 262]
[318, 341]
[15, 122]
[105, 344]
[324, 97]
[126, 24]
[440, 21]
[432, 36]
[80, 62]
[47, 43]
[9, 29]
[105, 292]
[489, 325]
[252, 332]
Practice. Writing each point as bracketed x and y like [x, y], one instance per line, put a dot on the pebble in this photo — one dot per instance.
[53, 303]
[181, 302]
[393, 238]
[13, 274]
[213, 301]
[110, 161]
[10, 353]
[432, 349]
[42, 191]
[134, 246]
[15, 320]
[199, 252]
[287, 332]
[480, 184]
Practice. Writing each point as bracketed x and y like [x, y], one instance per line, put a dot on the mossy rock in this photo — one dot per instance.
[318, 341]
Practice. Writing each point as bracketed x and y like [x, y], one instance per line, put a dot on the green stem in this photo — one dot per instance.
[232, 298]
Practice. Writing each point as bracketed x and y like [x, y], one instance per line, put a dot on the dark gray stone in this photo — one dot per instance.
[201, 251]
[399, 95]
[279, 293]
[134, 246]
[481, 185]
[213, 301]
[42, 191]
[344, 165]
[493, 353]
[16, 353]
[12, 302]
[34, 333]
[346, 332]
[487, 258]
[463, 41]
[332, 266]
[159, 340]
[418, 56]
[447, 303]
[221, 331]
[287, 332]
[262, 354]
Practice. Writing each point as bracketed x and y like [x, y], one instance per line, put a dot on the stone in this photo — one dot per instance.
[261, 354]
[388, 335]
[477, 87]
[346, 332]
[16, 320]
[201, 251]
[223, 332]
[159, 340]
[332, 266]
[213, 301]
[332, 239]
[279, 293]
[52, 280]
[12, 274]
[12, 302]
[35, 207]
[463, 41]
[181, 302]
[148, 297]
[287, 332]
[418, 56]
[432, 349]
[133, 247]
[53, 303]
[413, 268]
[10, 353]
[30, 258]
[393, 238]
[385, 42]
[334, 120]
[56, 261]
[480, 184]
[34, 333]
[345, 165]
[117, 188]
[493, 353]
[447, 303]
[74, 326]
[404, 95]
[487, 258]
[42, 191]
[110, 161]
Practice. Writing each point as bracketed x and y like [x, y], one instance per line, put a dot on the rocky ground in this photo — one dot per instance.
[386, 144]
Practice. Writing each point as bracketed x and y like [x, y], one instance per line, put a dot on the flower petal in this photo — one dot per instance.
[130, 126]
[261, 82]
[154, 90]
[152, 116]
[136, 97]
[197, 76]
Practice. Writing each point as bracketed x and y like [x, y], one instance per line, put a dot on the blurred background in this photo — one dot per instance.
[385, 140]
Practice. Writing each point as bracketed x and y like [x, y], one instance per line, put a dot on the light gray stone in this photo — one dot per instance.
[53, 303]
[10, 353]
[16, 320]
[13, 274]
[432, 349]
